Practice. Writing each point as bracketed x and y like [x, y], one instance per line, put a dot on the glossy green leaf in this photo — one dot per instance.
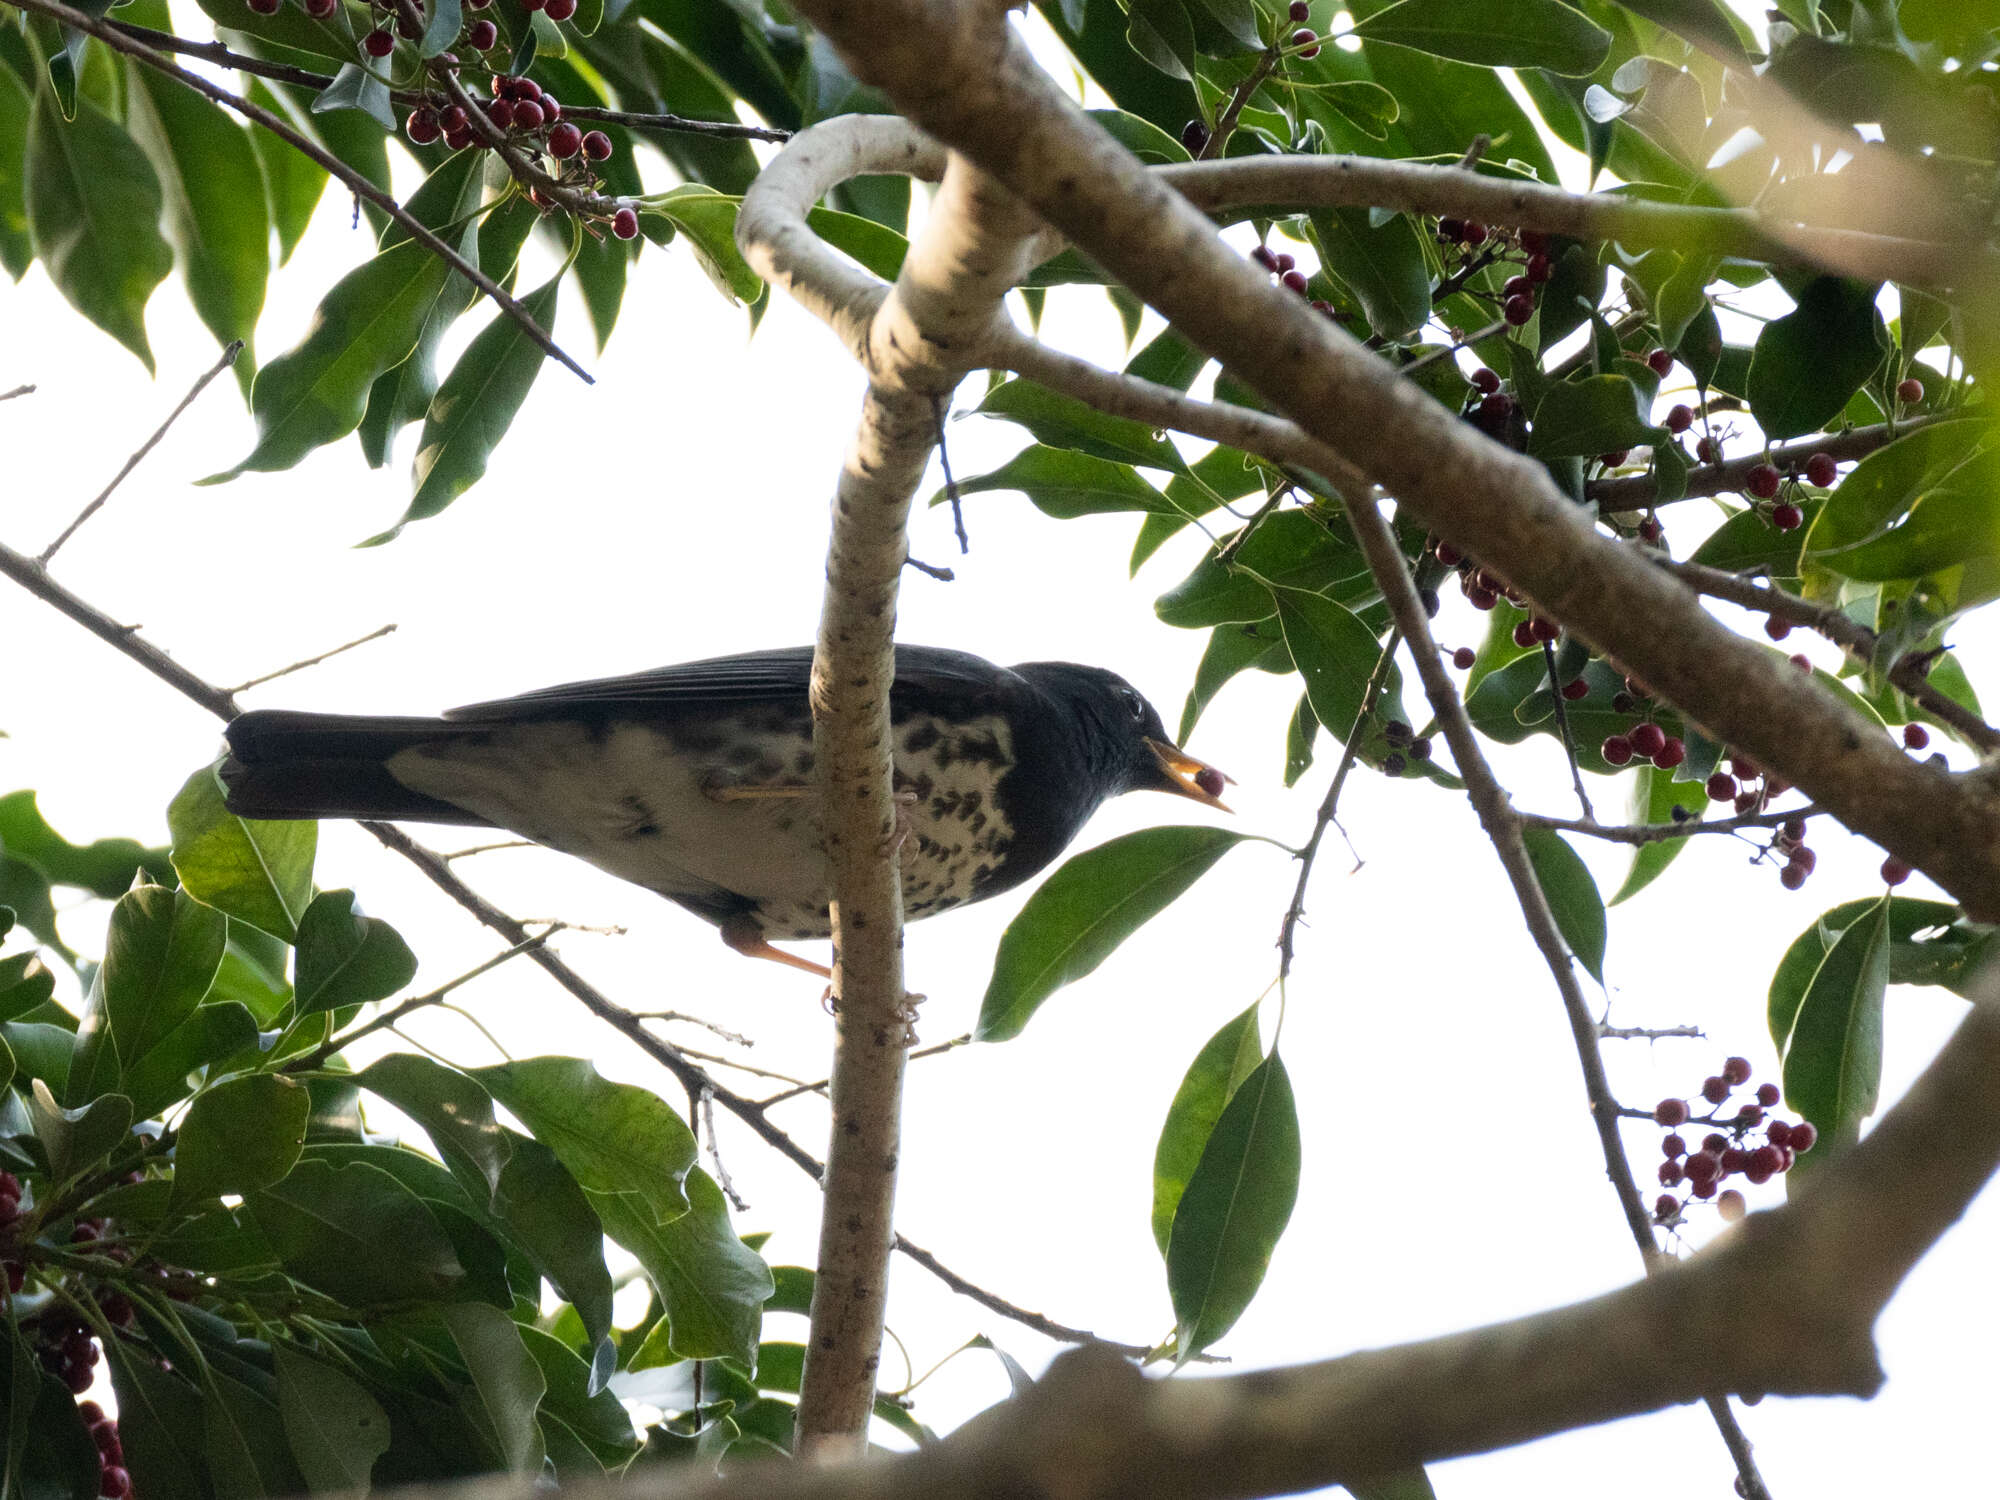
[477, 404]
[1950, 956]
[454, 1110]
[159, 1425]
[507, 1382]
[243, 1134]
[1336, 655]
[1405, 1484]
[1081, 913]
[1956, 522]
[345, 958]
[335, 1428]
[1064, 422]
[1234, 1209]
[1065, 483]
[216, 210]
[1520, 34]
[17, 246]
[443, 18]
[1598, 414]
[216, 1031]
[93, 211]
[355, 1233]
[293, 183]
[614, 1137]
[290, 27]
[161, 955]
[1162, 32]
[1572, 897]
[551, 1219]
[1810, 361]
[1291, 549]
[1381, 264]
[712, 1287]
[1833, 1056]
[1887, 483]
[357, 88]
[48, 1453]
[256, 872]
[597, 1423]
[25, 984]
[104, 867]
[1231, 649]
[1748, 543]
[708, 220]
[317, 392]
[1218, 1070]
[1706, 23]
[72, 1138]
[1655, 795]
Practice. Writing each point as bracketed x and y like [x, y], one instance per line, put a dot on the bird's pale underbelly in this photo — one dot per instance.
[719, 822]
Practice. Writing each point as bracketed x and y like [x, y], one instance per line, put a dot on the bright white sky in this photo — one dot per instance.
[678, 510]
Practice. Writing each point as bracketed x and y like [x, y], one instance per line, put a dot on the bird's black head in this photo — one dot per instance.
[1125, 746]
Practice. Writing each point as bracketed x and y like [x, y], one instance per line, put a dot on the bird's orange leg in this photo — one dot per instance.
[746, 938]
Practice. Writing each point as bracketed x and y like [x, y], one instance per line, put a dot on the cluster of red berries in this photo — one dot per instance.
[1403, 748]
[1646, 741]
[1731, 1151]
[1765, 481]
[1286, 268]
[1482, 589]
[114, 1480]
[1521, 291]
[1789, 844]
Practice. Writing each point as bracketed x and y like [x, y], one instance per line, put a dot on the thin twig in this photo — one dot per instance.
[1906, 674]
[310, 661]
[229, 352]
[705, 1024]
[357, 184]
[942, 575]
[223, 57]
[1226, 553]
[1225, 123]
[489, 848]
[1638, 491]
[722, 1178]
[19, 390]
[1660, 833]
[1295, 912]
[1610, 1033]
[938, 406]
[1450, 349]
[1562, 728]
[936, 1049]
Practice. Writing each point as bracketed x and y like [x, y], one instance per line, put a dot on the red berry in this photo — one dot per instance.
[1896, 871]
[1540, 267]
[1650, 530]
[1915, 736]
[1821, 470]
[114, 1483]
[263, 7]
[1463, 658]
[1285, 262]
[1705, 1189]
[1647, 740]
[1704, 1166]
[1714, 1090]
[1763, 481]
[625, 224]
[597, 146]
[1733, 1159]
[1705, 451]
[565, 140]
[1524, 633]
[1665, 1207]
[1792, 877]
[1747, 1116]
[321, 10]
[1613, 460]
[1767, 1094]
[529, 115]
[1660, 361]
[482, 35]
[1617, 750]
[1299, 10]
[1474, 234]
[1294, 281]
[1736, 1069]
[1485, 381]
[1535, 241]
[1671, 754]
[1576, 689]
[1910, 391]
[1805, 859]
[1307, 41]
[457, 140]
[1518, 309]
[1518, 286]
[1763, 1164]
[422, 126]
[1671, 1173]
[1670, 1112]
[1777, 627]
[1672, 1146]
[1451, 230]
[1731, 1206]
[378, 43]
[501, 113]
[1721, 787]
[560, 10]
[91, 1412]
[1787, 516]
[1194, 137]
[1804, 1133]
[1680, 419]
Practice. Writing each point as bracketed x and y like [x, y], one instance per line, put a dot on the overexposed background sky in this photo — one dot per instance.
[678, 510]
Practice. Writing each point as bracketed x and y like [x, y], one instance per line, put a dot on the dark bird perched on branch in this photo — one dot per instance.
[696, 781]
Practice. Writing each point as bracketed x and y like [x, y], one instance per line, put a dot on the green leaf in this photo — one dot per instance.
[216, 210]
[444, 17]
[1655, 795]
[1218, 1070]
[161, 955]
[1598, 414]
[1291, 549]
[93, 211]
[159, 1425]
[1336, 655]
[293, 182]
[355, 87]
[1237, 19]
[1572, 897]
[243, 1134]
[1833, 1056]
[1949, 958]
[1065, 422]
[25, 984]
[355, 1233]
[73, 1138]
[1704, 22]
[1235, 1207]
[877, 247]
[317, 392]
[1807, 363]
[1406, 1484]
[257, 872]
[508, 1382]
[598, 1423]
[1141, 137]
[336, 1429]
[477, 404]
[1520, 34]
[1889, 482]
[708, 219]
[1956, 522]
[17, 246]
[49, 1453]
[1083, 912]
[105, 867]
[218, 1030]
[712, 1287]
[455, 1111]
[614, 1137]
[1161, 32]
[1231, 649]
[1748, 543]
[1381, 264]
[345, 958]
[1065, 483]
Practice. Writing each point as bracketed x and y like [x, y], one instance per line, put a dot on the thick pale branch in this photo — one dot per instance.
[972, 85]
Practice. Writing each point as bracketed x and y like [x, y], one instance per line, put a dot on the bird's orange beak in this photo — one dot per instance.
[1191, 778]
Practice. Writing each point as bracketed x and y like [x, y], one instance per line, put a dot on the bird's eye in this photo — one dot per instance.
[1134, 705]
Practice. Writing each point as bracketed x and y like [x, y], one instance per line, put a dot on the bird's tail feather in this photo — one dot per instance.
[284, 764]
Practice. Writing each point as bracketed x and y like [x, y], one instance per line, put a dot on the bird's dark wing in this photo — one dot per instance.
[780, 676]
